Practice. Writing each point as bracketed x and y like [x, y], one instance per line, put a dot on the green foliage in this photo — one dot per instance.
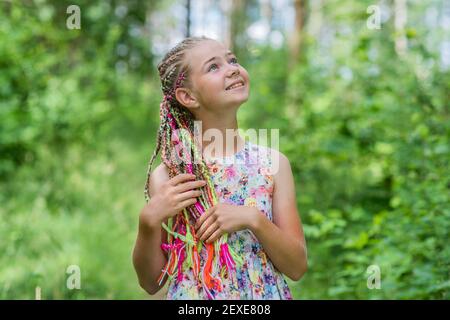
[367, 134]
[74, 128]
[369, 143]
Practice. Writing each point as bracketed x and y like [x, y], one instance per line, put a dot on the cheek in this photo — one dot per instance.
[204, 87]
[245, 74]
[214, 80]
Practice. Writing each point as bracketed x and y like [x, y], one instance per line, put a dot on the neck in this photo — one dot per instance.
[219, 125]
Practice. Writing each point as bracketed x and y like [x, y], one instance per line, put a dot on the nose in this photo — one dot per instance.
[234, 71]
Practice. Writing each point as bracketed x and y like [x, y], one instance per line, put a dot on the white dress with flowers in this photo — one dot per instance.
[242, 179]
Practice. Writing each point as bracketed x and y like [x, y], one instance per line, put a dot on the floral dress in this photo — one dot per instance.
[243, 179]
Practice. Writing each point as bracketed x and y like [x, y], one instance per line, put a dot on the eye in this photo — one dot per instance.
[233, 60]
[210, 67]
[214, 65]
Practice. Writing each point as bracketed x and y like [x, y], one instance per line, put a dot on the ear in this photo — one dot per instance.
[186, 98]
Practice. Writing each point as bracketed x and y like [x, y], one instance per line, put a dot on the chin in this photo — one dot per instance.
[237, 99]
[237, 103]
[240, 99]
[236, 106]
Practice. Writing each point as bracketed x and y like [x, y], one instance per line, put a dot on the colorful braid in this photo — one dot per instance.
[176, 133]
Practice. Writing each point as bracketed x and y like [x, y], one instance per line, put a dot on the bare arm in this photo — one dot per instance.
[283, 240]
[148, 257]
[168, 198]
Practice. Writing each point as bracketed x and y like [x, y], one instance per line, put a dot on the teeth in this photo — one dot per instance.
[240, 84]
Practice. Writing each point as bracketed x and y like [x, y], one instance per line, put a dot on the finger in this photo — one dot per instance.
[204, 216]
[216, 235]
[212, 228]
[204, 226]
[186, 203]
[186, 186]
[188, 195]
[181, 178]
[200, 230]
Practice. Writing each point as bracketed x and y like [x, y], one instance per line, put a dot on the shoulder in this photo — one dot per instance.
[279, 168]
[279, 156]
[280, 164]
[284, 197]
[277, 161]
[158, 177]
[274, 160]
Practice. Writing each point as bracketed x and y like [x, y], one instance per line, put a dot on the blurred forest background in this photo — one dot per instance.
[363, 114]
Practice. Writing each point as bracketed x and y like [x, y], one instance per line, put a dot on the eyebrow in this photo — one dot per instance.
[229, 53]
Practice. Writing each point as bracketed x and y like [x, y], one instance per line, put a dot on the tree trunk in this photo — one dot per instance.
[401, 43]
[316, 20]
[188, 18]
[296, 42]
[237, 26]
[267, 12]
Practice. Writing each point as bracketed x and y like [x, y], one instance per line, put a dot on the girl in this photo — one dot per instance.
[216, 230]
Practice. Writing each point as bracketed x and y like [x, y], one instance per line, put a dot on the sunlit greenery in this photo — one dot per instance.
[367, 133]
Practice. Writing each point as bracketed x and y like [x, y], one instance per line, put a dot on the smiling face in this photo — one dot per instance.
[217, 80]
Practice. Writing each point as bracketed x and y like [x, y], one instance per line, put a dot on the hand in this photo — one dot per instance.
[223, 218]
[173, 196]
